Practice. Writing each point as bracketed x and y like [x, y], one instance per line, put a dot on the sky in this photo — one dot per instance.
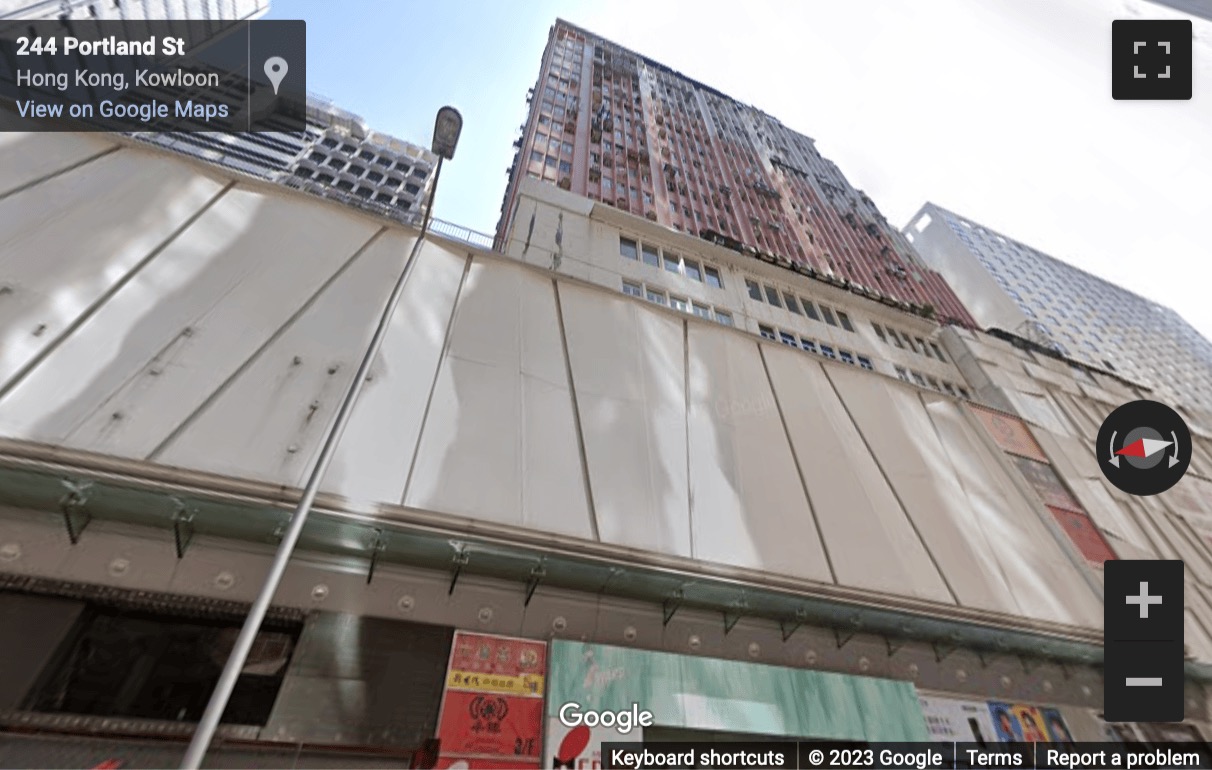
[999, 110]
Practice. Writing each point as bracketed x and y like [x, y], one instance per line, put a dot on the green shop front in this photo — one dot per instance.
[706, 699]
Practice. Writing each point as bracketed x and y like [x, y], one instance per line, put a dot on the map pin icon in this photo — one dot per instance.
[275, 70]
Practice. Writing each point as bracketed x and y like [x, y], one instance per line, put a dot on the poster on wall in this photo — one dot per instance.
[958, 720]
[580, 747]
[1029, 724]
[492, 706]
[1011, 434]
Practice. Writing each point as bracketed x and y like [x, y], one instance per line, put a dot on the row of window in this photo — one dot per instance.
[926, 381]
[403, 166]
[811, 346]
[903, 340]
[340, 165]
[654, 256]
[797, 305]
[658, 296]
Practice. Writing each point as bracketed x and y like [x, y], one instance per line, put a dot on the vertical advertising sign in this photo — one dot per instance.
[492, 705]
[958, 720]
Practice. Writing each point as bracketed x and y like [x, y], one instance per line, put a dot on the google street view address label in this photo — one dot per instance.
[87, 75]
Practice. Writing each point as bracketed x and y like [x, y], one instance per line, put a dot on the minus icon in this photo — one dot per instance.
[1144, 681]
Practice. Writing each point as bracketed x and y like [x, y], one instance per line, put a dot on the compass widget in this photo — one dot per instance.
[1144, 448]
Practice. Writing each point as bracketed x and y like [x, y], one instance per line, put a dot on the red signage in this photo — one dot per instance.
[491, 724]
[492, 709]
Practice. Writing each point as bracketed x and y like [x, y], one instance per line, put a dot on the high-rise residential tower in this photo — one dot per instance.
[1012, 286]
[618, 127]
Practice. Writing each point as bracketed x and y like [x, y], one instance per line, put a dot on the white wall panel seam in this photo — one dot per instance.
[686, 423]
[1012, 472]
[576, 413]
[892, 488]
[999, 457]
[270, 340]
[437, 373]
[799, 470]
[59, 172]
[36, 360]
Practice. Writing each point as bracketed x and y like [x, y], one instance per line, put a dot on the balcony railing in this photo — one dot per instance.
[460, 233]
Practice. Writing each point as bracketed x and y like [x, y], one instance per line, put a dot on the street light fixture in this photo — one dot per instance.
[446, 130]
[447, 127]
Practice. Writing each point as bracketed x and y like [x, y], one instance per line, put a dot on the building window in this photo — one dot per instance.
[724, 318]
[755, 291]
[949, 388]
[896, 340]
[827, 351]
[792, 304]
[827, 314]
[902, 373]
[772, 296]
[938, 352]
[628, 248]
[934, 384]
[866, 363]
[767, 332]
[808, 344]
[810, 309]
[845, 319]
[788, 339]
[846, 356]
[652, 256]
[918, 378]
[656, 296]
[963, 393]
[921, 346]
[632, 289]
[672, 264]
[702, 311]
[713, 277]
[692, 270]
[677, 303]
[879, 332]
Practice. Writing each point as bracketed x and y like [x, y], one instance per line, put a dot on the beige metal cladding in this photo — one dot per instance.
[160, 312]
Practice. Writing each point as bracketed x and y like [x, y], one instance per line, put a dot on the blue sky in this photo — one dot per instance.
[997, 109]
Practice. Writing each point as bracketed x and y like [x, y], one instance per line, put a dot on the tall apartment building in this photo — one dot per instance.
[620, 128]
[1009, 285]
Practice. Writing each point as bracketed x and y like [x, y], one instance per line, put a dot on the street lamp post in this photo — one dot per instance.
[447, 127]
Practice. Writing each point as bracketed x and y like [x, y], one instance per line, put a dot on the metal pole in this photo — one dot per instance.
[252, 624]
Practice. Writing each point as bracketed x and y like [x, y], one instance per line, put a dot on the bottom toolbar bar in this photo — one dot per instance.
[819, 755]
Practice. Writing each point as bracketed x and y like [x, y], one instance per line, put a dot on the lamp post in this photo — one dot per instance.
[447, 127]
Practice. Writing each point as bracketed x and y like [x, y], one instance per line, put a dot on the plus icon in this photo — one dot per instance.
[1144, 600]
[1151, 59]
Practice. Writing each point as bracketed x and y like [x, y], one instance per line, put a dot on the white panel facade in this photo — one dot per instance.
[372, 461]
[748, 506]
[28, 158]
[627, 365]
[52, 274]
[907, 447]
[164, 343]
[1043, 581]
[262, 424]
[871, 541]
[499, 442]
